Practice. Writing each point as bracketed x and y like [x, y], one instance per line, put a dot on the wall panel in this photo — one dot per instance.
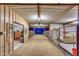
[7, 39]
[22, 21]
[7, 18]
[11, 30]
[2, 29]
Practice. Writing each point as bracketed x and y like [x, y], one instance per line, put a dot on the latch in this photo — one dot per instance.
[1, 33]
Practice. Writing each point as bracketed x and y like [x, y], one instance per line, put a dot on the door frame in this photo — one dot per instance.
[13, 32]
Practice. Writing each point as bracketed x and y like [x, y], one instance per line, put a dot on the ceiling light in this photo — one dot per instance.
[42, 17]
[38, 24]
[33, 17]
[75, 22]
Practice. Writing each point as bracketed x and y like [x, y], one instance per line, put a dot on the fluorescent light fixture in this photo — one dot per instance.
[72, 19]
[44, 17]
[35, 17]
[75, 22]
[38, 19]
[38, 24]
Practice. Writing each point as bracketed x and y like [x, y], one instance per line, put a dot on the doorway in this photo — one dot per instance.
[18, 31]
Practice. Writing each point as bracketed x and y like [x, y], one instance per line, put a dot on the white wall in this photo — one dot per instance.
[55, 26]
[21, 20]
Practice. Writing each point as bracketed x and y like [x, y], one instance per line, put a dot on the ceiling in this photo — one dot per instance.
[48, 13]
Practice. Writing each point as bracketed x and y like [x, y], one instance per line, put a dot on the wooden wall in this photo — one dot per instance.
[7, 17]
[2, 29]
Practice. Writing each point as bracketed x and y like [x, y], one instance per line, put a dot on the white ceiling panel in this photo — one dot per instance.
[48, 13]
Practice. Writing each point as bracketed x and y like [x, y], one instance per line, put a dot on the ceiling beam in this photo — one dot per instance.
[47, 23]
[46, 11]
[33, 4]
[40, 3]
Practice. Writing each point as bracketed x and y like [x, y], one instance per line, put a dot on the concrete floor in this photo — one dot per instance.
[38, 45]
[17, 44]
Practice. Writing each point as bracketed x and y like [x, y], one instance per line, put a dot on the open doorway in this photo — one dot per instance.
[18, 30]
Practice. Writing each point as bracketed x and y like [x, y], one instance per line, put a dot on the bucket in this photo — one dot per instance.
[74, 51]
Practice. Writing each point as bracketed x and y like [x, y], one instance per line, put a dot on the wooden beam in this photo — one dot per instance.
[40, 3]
